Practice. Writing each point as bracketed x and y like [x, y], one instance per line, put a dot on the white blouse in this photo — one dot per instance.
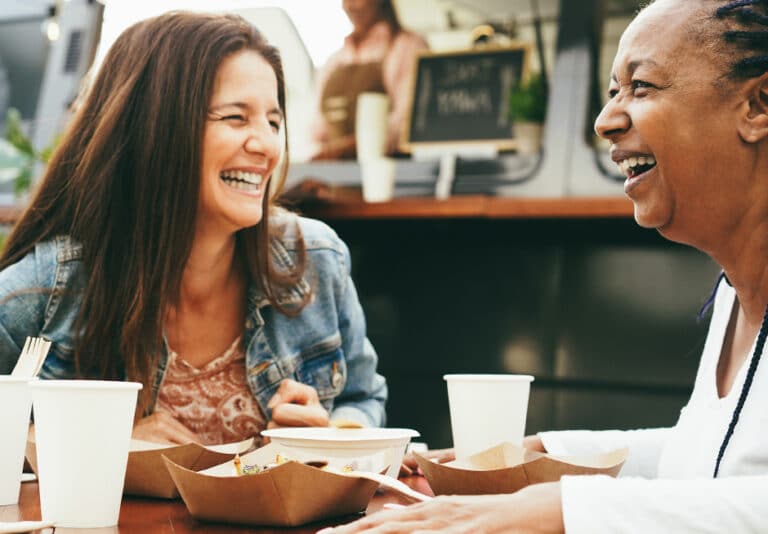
[683, 497]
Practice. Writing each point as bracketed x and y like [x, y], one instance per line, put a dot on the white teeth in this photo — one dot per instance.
[244, 186]
[626, 164]
[243, 180]
[242, 176]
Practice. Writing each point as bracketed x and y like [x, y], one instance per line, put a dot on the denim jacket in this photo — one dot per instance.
[325, 346]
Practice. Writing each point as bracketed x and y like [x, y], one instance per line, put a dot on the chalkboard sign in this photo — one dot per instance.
[463, 97]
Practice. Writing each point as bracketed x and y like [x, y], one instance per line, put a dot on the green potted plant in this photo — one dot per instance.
[527, 110]
[18, 157]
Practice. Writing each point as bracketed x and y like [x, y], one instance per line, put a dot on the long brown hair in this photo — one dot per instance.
[388, 14]
[124, 182]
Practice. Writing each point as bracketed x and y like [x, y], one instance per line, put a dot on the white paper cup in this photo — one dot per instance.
[16, 403]
[487, 410]
[82, 433]
[371, 125]
[378, 177]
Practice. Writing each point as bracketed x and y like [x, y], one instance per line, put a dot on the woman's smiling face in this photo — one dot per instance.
[673, 131]
[241, 145]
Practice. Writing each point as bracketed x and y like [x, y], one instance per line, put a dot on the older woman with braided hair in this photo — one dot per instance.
[687, 119]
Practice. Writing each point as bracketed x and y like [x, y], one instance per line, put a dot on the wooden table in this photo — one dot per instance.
[156, 516]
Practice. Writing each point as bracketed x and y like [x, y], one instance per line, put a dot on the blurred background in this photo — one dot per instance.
[601, 312]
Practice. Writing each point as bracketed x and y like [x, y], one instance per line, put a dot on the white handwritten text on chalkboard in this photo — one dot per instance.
[458, 101]
[464, 96]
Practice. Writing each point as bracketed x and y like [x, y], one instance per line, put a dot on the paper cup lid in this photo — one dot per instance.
[489, 377]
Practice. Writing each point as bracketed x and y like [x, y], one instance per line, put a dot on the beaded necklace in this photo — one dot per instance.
[759, 344]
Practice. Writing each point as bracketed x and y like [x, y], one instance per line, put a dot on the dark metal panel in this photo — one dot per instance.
[598, 310]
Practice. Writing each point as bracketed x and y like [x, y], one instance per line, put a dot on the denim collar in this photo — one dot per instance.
[289, 296]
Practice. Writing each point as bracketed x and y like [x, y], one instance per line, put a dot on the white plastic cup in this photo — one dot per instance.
[371, 125]
[16, 403]
[82, 433]
[378, 177]
[487, 410]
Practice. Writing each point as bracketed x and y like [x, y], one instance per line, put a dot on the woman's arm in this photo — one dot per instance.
[365, 392]
[318, 129]
[630, 505]
[398, 71]
[589, 504]
[22, 307]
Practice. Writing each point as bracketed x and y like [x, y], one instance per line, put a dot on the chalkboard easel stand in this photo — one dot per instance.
[448, 153]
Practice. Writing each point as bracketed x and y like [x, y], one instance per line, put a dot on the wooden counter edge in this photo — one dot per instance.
[457, 207]
[564, 207]
[474, 206]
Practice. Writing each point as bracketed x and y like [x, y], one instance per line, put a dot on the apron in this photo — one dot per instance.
[339, 96]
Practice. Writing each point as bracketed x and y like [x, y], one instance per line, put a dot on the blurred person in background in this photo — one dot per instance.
[687, 120]
[378, 56]
[152, 249]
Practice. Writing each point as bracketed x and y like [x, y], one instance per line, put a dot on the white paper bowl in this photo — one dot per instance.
[366, 449]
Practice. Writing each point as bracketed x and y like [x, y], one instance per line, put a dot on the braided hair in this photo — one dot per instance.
[747, 31]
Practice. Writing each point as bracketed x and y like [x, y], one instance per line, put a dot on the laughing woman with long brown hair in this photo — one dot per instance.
[153, 251]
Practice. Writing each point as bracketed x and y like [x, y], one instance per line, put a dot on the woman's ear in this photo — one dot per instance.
[753, 126]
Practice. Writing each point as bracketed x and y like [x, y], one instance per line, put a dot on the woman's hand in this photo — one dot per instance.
[409, 461]
[296, 404]
[535, 509]
[162, 427]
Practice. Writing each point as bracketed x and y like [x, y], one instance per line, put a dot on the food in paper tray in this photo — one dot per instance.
[508, 467]
[244, 469]
[289, 493]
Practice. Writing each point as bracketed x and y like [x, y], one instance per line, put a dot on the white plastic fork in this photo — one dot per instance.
[32, 357]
